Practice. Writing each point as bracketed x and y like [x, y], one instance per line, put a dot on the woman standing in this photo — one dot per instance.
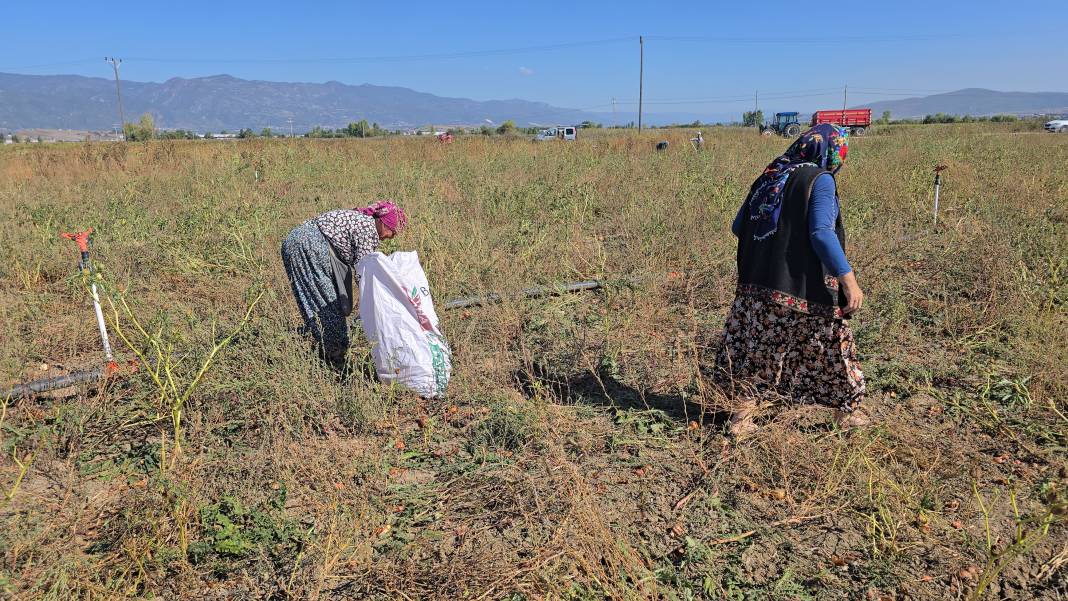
[319, 256]
[787, 332]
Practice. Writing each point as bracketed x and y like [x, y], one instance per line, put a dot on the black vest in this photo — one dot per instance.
[784, 267]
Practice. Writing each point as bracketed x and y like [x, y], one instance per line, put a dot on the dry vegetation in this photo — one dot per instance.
[580, 454]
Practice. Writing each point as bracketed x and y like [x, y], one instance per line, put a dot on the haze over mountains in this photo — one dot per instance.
[977, 102]
[222, 102]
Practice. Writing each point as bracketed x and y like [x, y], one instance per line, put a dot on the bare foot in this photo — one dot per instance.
[853, 419]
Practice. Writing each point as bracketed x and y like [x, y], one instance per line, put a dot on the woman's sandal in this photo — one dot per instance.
[853, 419]
[742, 423]
[743, 427]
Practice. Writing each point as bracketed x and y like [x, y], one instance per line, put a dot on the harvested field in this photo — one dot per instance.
[581, 453]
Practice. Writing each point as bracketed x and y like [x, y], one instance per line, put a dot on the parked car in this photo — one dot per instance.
[1058, 125]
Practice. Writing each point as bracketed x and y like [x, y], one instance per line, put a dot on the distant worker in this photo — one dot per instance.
[698, 141]
[787, 332]
[319, 256]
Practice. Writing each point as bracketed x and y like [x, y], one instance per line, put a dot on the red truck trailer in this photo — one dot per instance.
[857, 121]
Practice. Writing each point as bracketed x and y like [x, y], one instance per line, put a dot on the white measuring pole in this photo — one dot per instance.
[100, 321]
[938, 188]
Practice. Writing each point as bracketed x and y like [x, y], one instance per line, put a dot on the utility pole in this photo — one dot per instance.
[641, 78]
[613, 106]
[756, 101]
[115, 62]
[290, 118]
[845, 97]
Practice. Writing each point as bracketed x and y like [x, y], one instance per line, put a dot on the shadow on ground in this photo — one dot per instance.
[603, 389]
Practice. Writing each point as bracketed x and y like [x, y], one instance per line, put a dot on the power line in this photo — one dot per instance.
[528, 49]
[897, 94]
[732, 99]
[394, 58]
[900, 90]
[59, 64]
[830, 93]
[836, 39]
[778, 95]
[866, 91]
[783, 93]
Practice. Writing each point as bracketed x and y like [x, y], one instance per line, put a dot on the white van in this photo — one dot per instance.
[562, 132]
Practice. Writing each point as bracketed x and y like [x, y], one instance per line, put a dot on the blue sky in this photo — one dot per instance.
[699, 56]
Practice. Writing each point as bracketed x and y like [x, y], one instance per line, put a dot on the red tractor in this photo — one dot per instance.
[445, 138]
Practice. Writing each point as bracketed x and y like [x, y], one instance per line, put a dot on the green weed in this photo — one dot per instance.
[509, 427]
[229, 531]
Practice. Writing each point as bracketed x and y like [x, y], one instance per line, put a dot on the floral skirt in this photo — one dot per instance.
[306, 256]
[808, 358]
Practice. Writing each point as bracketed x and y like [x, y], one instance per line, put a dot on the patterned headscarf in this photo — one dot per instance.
[390, 214]
[824, 145]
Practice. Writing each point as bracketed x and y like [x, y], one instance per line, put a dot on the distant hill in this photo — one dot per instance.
[976, 102]
[224, 102]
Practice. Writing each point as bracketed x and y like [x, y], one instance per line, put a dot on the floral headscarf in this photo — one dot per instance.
[390, 214]
[824, 145]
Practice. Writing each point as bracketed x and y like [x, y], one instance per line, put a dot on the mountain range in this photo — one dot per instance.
[223, 102]
[977, 102]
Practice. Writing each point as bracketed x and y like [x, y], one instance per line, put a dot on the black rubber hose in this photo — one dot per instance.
[537, 292]
[39, 386]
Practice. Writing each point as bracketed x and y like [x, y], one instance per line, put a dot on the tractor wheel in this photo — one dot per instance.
[792, 131]
[1063, 129]
[859, 131]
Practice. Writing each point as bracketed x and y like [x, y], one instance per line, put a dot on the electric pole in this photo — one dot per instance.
[756, 101]
[641, 78]
[290, 126]
[115, 62]
[845, 97]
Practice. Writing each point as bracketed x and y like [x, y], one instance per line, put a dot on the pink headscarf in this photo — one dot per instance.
[391, 215]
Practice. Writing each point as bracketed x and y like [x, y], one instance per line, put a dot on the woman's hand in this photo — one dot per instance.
[854, 295]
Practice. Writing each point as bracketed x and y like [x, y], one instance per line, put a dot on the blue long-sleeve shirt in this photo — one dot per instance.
[822, 213]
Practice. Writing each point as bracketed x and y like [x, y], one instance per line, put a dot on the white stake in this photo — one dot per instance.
[938, 188]
[100, 322]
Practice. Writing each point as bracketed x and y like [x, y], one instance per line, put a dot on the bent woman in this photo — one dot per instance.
[788, 332]
[319, 256]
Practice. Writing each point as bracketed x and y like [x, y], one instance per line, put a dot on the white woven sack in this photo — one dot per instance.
[398, 317]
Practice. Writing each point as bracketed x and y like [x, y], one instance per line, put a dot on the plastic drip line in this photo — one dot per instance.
[47, 384]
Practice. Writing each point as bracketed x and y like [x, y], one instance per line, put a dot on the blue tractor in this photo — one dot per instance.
[785, 124]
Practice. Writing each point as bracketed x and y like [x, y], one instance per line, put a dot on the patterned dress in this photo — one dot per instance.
[306, 254]
[771, 346]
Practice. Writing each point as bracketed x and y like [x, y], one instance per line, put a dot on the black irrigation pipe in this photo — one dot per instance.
[536, 292]
[39, 386]
[46, 384]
